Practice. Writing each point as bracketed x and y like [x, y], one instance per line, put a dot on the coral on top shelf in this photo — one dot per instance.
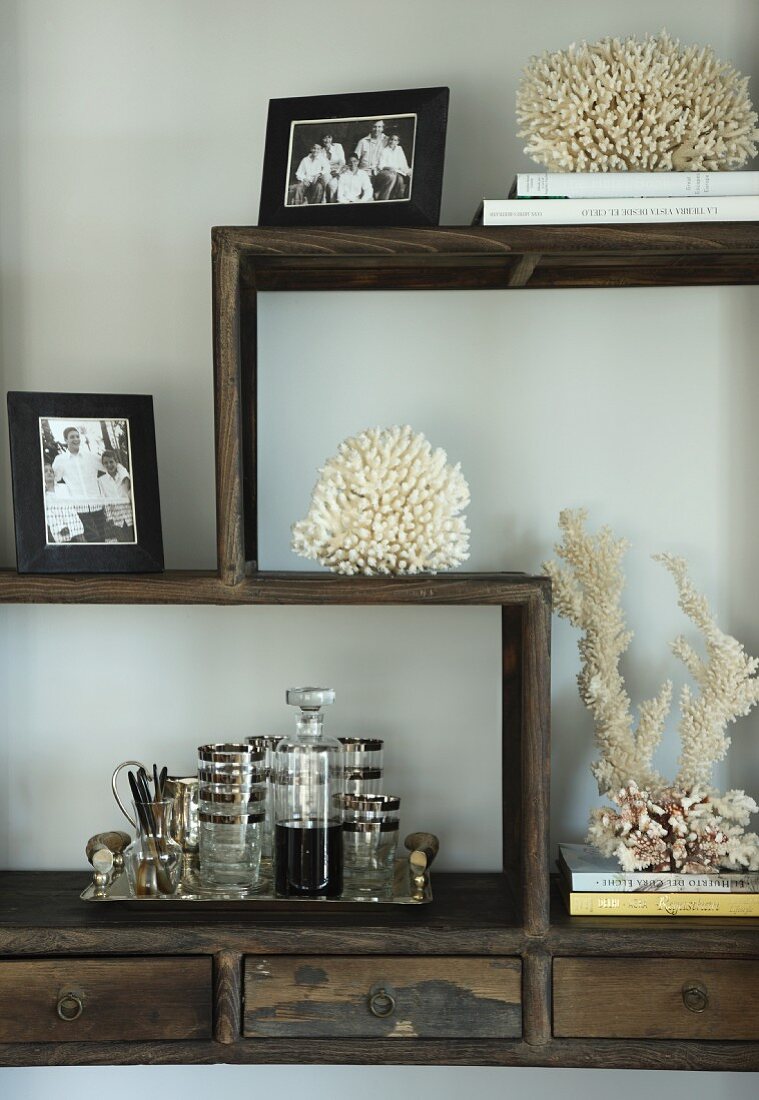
[636, 106]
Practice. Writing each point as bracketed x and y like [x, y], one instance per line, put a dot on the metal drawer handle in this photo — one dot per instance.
[695, 996]
[382, 1001]
[70, 1005]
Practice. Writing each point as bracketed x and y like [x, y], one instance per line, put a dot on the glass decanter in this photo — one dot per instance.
[308, 784]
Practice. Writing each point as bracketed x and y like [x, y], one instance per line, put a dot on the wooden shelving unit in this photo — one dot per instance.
[482, 960]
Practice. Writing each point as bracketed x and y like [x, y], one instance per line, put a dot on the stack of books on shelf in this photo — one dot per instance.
[616, 198]
[596, 887]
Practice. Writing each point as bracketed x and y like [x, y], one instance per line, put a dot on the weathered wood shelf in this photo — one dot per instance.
[558, 1054]
[472, 914]
[198, 587]
[473, 918]
[494, 258]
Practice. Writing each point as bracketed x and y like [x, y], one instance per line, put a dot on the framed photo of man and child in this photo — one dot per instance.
[85, 483]
[371, 158]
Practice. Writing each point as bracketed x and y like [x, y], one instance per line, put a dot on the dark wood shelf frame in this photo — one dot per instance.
[249, 260]
[556, 1054]
[41, 917]
[205, 587]
[498, 917]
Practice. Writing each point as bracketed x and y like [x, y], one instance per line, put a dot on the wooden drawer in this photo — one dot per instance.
[133, 998]
[431, 997]
[656, 998]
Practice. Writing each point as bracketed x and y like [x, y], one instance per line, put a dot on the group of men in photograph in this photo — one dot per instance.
[376, 171]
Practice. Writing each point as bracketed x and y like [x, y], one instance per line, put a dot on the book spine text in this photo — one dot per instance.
[616, 211]
[584, 881]
[687, 185]
[662, 905]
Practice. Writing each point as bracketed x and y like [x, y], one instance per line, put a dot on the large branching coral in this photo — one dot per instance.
[615, 106]
[685, 825]
[386, 503]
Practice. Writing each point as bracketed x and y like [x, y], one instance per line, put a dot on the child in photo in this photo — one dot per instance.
[116, 489]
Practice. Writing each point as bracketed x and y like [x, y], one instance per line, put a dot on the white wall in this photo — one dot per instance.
[126, 131]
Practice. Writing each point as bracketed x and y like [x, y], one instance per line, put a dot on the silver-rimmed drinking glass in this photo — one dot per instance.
[369, 849]
[363, 780]
[232, 813]
[231, 759]
[362, 752]
[233, 800]
[362, 763]
[370, 807]
[230, 848]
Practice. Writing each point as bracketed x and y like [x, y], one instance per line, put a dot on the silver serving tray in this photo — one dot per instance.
[409, 889]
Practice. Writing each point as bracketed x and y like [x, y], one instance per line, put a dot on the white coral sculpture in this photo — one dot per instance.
[637, 106]
[685, 825]
[386, 503]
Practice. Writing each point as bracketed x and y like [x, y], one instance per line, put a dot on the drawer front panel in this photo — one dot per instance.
[380, 997]
[655, 999]
[64, 1000]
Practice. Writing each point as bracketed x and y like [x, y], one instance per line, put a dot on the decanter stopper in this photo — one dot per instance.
[310, 698]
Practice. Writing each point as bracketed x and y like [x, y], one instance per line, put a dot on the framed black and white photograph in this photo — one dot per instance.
[371, 158]
[85, 483]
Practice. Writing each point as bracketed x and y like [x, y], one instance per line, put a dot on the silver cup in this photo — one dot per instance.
[185, 829]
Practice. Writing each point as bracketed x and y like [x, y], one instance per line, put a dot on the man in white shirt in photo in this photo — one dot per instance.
[116, 489]
[354, 184]
[311, 175]
[369, 148]
[79, 470]
[393, 172]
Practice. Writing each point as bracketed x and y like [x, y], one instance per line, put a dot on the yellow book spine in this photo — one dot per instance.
[662, 905]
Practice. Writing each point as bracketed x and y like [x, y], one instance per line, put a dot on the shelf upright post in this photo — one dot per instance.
[226, 348]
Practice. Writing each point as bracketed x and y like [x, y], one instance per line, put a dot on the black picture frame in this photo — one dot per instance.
[34, 552]
[289, 117]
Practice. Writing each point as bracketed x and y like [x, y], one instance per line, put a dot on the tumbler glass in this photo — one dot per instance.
[369, 857]
[363, 780]
[232, 814]
[362, 762]
[362, 752]
[230, 848]
[370, 807]
[216, 799]
[231, 761]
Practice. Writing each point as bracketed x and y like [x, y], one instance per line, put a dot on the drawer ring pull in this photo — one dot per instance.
[695, 996]
[70, 1005]
[382, 1001]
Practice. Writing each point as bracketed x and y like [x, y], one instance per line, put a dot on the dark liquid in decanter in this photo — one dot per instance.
[308, 862]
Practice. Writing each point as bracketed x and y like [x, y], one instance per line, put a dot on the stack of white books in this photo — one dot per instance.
[613, 198]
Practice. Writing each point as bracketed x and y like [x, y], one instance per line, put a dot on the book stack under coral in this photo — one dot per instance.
[595, 887]
[612, 198]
